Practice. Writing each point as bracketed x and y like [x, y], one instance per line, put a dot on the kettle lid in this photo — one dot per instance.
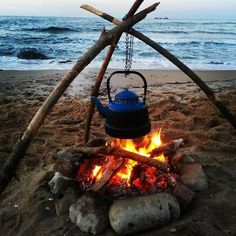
[126, 96]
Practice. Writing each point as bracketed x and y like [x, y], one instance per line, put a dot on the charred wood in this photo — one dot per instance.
[108, 170]
[168, 148]
[92, 151]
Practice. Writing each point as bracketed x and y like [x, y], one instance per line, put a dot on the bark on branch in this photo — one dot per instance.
[107, 150]
[168, 148]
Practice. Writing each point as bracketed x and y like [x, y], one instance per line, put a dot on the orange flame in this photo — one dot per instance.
[141, 146]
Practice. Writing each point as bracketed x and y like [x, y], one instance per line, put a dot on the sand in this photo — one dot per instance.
[175, 104]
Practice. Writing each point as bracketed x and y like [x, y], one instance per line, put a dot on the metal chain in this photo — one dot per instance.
[129, 42]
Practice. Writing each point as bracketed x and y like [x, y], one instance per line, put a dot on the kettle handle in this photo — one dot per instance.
[125, 73]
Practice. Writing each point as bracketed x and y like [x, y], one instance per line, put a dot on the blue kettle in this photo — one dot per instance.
[126, 116]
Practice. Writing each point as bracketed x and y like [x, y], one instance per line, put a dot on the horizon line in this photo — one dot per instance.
[153, 17]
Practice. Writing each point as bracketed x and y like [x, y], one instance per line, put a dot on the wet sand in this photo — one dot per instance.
[175, 104]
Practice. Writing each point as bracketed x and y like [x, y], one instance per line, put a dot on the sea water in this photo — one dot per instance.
[200, 44]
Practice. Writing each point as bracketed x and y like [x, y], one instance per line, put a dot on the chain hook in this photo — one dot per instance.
[129, 42]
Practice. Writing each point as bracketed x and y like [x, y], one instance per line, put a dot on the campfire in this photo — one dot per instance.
[124, 177]
[130, 184]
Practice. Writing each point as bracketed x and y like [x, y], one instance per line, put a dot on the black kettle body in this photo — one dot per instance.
[126, 116]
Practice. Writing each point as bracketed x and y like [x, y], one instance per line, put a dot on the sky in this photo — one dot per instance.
[202, 9]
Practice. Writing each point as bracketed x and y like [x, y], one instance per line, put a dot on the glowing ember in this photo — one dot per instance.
[96, 170]
[96, 173]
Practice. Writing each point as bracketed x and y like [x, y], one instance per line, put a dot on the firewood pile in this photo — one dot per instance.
[103, 171]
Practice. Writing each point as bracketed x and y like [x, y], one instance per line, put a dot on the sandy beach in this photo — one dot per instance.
[176, 104]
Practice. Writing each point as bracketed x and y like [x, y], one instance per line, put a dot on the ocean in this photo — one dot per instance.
[200, 44]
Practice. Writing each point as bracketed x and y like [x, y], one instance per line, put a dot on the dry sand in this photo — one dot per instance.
[176, 105]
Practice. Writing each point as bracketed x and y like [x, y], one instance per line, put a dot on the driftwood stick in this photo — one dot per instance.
[205, 88]
[141, 159]
[23, 143]
[168, 148]
[133, 9]
[91, 151]
[108, 171]
[95, 91]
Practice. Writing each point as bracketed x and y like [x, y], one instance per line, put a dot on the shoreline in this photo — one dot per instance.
[204, 74]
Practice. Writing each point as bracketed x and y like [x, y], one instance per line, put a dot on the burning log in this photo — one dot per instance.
[107, 172]
[92, 151]
[168, 148]
[141, 159]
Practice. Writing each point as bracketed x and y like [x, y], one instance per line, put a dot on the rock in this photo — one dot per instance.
[59, 184]
[181, 158]
[66, 61]
[62, 205]
[183, 194]
[187, 159]
[68, 162]
[90, 213]
[31, 54]
[192, 175]
[133, 215]
[173, 230]
[55, 30]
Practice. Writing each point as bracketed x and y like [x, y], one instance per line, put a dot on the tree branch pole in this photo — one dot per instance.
[95, 91]
[206, 89]
[116, 151]
[23, 143]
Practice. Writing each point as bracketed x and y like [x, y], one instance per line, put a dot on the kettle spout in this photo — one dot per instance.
[101, 109]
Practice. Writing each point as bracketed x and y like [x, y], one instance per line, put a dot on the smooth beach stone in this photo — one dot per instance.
[90, 213]
[193, 176]
[132, 215]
